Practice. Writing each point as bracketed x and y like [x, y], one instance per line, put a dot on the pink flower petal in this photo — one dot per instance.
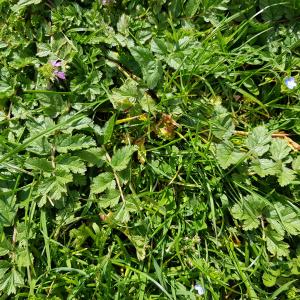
[56, 63]
[60, 74]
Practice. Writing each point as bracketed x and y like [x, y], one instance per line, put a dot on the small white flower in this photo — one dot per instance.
[290, 82]
[199, 288]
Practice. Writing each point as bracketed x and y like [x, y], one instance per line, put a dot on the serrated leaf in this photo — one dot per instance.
[283, 218]
[126, 96]
[54, 187]
[151, 68]
[65, 142]
[6, 90]
[8, 211]
[296, 164]
[122, 215]
[286, 176]
[102, 182]
[40, 124]
[249, 211]
[269, 280]
[122, 157]
[108, 129]
[11, 281]
[258, 140]
[222, 124]
[226, 155]
[39, 164]
[23, 3]
[275, 244]
[264, 167]
[147, 103]
[110, 199]
[279, 149]
[94, 156]
[159, 46]
[69, 163]
[40, 146]
[5, 248]
[140, 243]
[191, 7]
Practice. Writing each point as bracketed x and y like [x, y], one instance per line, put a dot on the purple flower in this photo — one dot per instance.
[56, 63]
[56, 69]
[106, 2]
[290, 83]
[60, 74]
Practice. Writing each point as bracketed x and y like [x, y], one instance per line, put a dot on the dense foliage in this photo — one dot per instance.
[149, 149]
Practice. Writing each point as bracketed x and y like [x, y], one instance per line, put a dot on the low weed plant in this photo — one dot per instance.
[149, 149]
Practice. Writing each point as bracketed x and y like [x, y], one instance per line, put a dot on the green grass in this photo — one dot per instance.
[166, 161]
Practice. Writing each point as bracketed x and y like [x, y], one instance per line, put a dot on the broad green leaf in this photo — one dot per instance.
[23, 3]
[54, 187]
[283, 218]
[122, 215]
[264, 167]
[69, 163]
[191, 7]
[123, 24]
[258, 140]
[121, 157]
[24, 258]
[279, 149]
[11, 281]
[40, 124]
[126, 96]
[249, 211]
[65, 142]
[8, 211]
[151, 68]
[110, 199]
[6, 90]
[222, 124]
[275, 244]
[40, 146]
[159, 46]
[269, 279]
[286, 176]
[296, 164]
[147, 103]
[102, 182]
[108, 129]
[5, 248]
[226, 155]
[94, 156]
[39, 164]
